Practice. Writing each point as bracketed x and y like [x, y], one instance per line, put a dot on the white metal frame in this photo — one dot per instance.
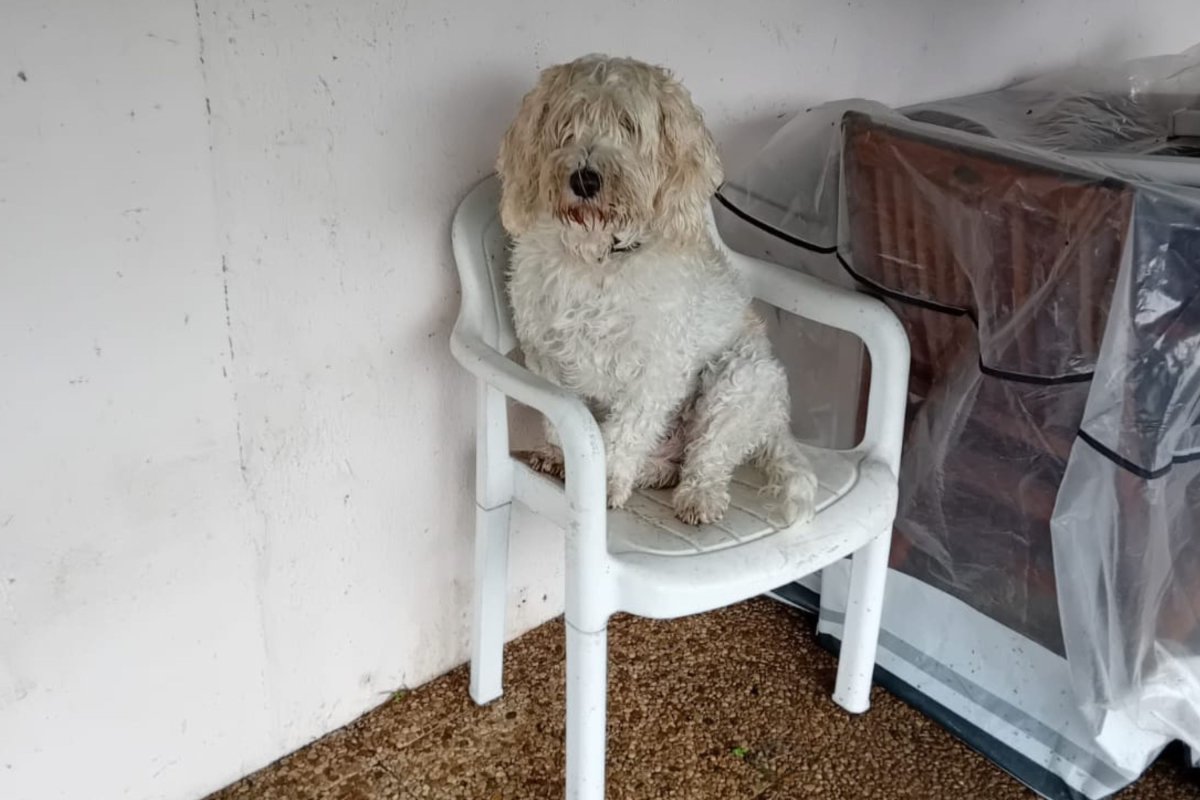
[600, 583]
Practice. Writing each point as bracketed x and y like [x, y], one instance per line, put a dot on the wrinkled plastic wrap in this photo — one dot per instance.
[1127, 523]
[1041, 245]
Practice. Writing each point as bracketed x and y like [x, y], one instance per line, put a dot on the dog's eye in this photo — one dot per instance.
[628, 125]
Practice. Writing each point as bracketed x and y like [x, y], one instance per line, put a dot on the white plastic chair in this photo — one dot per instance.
[641, 560]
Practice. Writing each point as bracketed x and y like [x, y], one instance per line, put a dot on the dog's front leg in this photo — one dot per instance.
[632, 430]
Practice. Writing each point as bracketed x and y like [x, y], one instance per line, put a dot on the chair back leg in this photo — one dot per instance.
[489, 603]
[493, 499]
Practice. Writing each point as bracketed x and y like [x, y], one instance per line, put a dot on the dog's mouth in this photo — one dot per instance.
[588, 216]
[628, 246]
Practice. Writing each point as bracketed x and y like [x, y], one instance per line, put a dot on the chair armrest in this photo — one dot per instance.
[865, 317]
[583, 453]
[578, 432]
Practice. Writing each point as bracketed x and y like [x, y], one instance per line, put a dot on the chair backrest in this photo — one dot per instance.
[481, 252]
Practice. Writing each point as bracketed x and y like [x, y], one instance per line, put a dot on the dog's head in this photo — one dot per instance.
[612, 151]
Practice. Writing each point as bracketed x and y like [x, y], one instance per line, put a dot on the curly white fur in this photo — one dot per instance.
[621, 296]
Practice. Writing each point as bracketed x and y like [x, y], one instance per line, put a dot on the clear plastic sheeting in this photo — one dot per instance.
[1127, 522]
[1126, 109]
[1116, 113]
[1041, 245]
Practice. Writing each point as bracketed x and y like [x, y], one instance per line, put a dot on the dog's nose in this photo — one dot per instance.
[585, 182]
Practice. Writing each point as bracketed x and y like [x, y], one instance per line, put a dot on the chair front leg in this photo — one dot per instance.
[587, 697]
[860, 636]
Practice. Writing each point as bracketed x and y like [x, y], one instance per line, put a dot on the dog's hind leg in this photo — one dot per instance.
[548, 457]
[741, 411]
[790, 478]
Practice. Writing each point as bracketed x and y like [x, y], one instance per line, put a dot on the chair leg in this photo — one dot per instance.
[489, 603]
[860, 637]
[587, 695]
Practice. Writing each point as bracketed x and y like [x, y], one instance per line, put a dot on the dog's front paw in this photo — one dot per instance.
[618, 495]
[698, 505]
[620, 489]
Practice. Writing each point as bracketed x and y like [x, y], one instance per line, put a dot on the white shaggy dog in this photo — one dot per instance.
[620, 295]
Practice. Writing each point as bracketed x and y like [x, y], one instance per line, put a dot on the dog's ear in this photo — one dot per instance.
[519, 164]
[693, 169]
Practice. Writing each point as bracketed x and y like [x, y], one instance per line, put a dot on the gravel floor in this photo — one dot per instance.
[730, 705]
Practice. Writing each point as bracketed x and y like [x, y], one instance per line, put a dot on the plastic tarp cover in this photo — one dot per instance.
[1049, 279]
[1127, 523]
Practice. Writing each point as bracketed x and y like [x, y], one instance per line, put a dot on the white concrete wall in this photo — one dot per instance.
[235, 505]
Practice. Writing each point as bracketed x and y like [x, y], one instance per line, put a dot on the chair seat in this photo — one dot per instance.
[648, 525]
[665, 568]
